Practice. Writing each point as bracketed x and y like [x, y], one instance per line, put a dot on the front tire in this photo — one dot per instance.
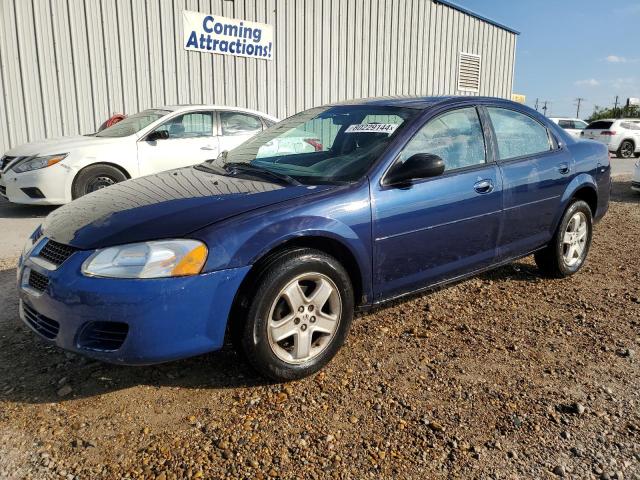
[95, 177]
[626, 149]
[568, 249]
[299, 315]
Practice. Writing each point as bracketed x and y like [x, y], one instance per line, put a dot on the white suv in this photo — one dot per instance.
[573, 126]
[622, 136]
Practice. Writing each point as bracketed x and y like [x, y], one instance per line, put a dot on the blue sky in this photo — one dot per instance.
[571, 48]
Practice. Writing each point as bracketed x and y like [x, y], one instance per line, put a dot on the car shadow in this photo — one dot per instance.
[35, 371]
[14, 210]
[621, 192]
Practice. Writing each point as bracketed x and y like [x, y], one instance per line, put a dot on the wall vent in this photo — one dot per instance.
[469, 72]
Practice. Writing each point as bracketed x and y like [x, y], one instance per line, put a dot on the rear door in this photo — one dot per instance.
[237, 127]
[191, 140]
[536, 170]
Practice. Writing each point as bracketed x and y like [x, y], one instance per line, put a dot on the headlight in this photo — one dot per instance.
[38, 162]
[162, 258]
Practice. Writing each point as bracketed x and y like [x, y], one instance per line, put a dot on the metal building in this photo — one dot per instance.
[68, 65]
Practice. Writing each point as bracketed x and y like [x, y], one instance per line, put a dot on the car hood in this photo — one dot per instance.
[171, 204]
[52, 146]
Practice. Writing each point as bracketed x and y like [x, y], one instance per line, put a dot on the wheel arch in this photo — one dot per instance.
[589, 194]
[323, 243]
[72, 184]
[631, 140]
[583, 187]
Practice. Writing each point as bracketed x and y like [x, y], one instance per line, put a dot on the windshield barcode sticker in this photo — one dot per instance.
[372, 127]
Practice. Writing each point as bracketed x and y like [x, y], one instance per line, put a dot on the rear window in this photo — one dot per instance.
[599, 125]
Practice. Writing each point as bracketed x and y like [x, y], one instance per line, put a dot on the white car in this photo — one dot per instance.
[622, 136]
[573, 126]
[635, 181]
[57, 170]
[293, 142]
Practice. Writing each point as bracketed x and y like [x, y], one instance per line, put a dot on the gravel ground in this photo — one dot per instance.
[507, 375]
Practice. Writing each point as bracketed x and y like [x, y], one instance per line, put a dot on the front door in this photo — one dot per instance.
[191, 140]
[536, 171]
[442, 227]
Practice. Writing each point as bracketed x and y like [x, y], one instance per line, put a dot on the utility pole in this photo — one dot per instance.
[579, 100]
[536, 104]
[615, 107]
[544, 107]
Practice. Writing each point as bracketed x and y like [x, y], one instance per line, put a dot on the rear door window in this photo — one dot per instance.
[565, 123]
[238, 123]
[517, 134]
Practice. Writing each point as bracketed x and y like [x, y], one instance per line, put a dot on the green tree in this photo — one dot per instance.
[620, 112]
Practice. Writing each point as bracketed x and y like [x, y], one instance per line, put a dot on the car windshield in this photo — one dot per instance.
[133, 123]
[333, 144]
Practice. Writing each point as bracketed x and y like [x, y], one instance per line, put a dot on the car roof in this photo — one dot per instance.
[422, 103]
[191, 107]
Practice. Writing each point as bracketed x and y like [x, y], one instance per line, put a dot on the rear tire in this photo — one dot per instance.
[95, 177]
[626, 149]
[299, 315]
[568, 249]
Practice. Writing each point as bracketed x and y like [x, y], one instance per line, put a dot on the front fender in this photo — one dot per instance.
[342, 216]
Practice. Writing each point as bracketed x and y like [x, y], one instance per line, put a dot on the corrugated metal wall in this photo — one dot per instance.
[68, 65]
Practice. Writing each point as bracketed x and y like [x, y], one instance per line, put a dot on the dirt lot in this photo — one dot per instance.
[507, 375]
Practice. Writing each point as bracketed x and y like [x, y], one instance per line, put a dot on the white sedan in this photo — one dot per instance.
[58, 170]
[573, 126]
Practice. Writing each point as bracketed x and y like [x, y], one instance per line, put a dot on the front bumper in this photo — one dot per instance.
[166, 319]
[52, 181]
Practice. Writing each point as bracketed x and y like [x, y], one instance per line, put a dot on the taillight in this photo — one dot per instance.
[315, 143]
[608, 132]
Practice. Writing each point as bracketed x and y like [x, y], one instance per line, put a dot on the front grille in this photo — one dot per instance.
[37, 281]
[103, 336]
[44, 326]
[56, 253]
[5, 161]
[3, 190]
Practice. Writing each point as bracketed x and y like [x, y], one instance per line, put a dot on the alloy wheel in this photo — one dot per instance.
[304, 318]
[574, 241]
[626, 150]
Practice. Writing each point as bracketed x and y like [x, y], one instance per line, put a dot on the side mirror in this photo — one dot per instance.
[419, 165]
[157, 135]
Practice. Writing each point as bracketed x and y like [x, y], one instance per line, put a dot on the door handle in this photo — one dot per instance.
[206, 148]
[483, 186]
[563, 168]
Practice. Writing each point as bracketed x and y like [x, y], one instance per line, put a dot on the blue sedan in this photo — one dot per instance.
[276, 249]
